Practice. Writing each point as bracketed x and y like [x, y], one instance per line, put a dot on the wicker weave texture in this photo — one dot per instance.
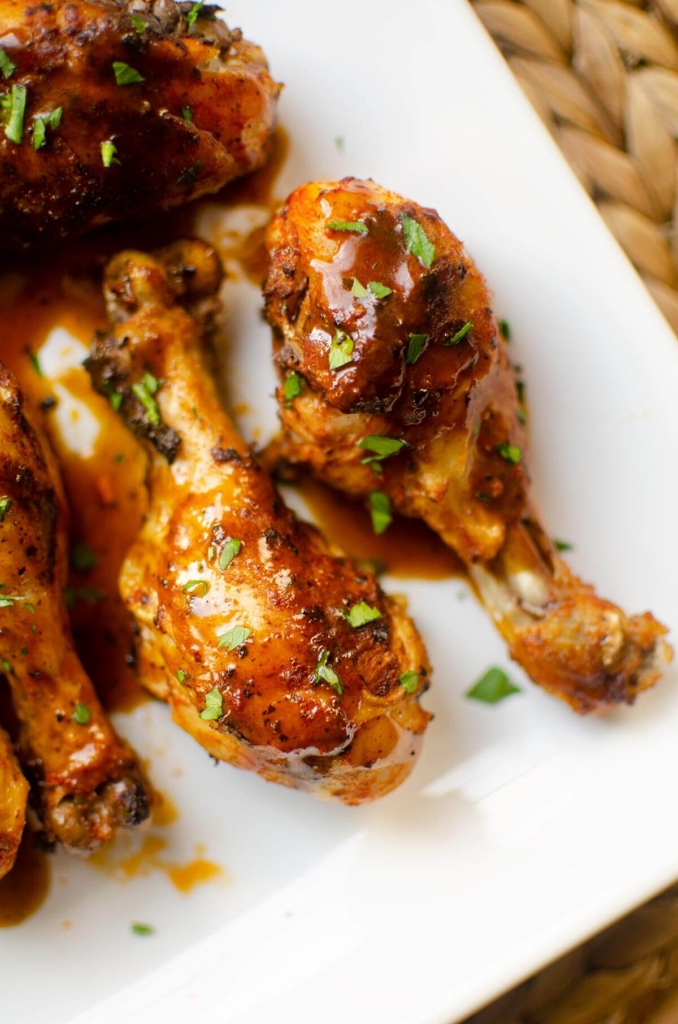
[603, 76]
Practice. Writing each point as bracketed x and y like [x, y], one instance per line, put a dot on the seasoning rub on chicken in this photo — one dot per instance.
[111, 109]
[397, 388]
[275, 653]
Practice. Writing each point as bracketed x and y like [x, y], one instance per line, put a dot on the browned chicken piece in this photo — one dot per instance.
[398, 389]
[277, 654]
[115, 108]
[13, 797]
[88, 782]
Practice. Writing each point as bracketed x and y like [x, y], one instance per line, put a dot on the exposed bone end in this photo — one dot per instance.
[86, 821]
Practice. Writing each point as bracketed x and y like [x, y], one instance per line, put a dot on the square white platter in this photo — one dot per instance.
[523, 828]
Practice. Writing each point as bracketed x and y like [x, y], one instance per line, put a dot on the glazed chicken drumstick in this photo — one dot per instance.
[274, 653]
[397, 389]
[88, 783]
[113, 108]
[13, 797]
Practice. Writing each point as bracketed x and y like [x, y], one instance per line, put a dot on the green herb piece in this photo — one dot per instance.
[6, 505]
[35, 363]
[28, 606]
[142, 929]
[214, 705]
[382, 447]
[509, 452]
[339, 143]
[125, 75]
[461, 333]
[415, 347]
[82, 714]
[151, 383]
[15, 126]
[192, 15]
[211, 553]
[292, 387]
[6, 65]
[6, 666]
[82, 557]
[409, 681]
[187, 115]
[326, 672]
[483, 496]
[7, 602]
[492, 687]
[90, 595]
[181, 676]
[562, 545]
[356, 226]
[23, 652]
[362, 613]
[197, 588]
[341, 350]
[358, 290]
[521, 416]
[505, 329]
[109, 154]
[520, 388]
[54, 118]
[113, 397]
[140, 391]
[417, 242]
[139, 23]
[119, 457]
[380, 511]
[234, 637]
[190, 176]
[379, 290]
[39, 133]
[228, 552]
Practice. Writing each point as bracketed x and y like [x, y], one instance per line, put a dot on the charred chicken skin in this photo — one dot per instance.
[114, 108]
[275, 653]
[13, 797]
[403, 395]
[88, 783]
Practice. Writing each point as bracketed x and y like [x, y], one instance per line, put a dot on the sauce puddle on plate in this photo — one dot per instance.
[24, 889]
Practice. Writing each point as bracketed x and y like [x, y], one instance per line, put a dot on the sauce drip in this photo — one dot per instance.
[130, 859]
[24, 889]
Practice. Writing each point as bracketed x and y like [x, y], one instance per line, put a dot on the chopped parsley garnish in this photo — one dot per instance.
[142, 929]
[6, 666]
[339, 143]
[109, 154]
[125, 75]
[6, 505]
[520, 388]
[141, 391]
[82, 714]
[194, 12]
[379, 290]
[139, 23]
[197, 588]
[23, 652]
[326, 672]
[228, 552]
[113, 397]
[234, 637]
[214, 705]
[17, 108]
[190, 176]
[9, 600]
[358, 290]
[54, 118]
[362, 613]
[562, 545]
[509, 452]
[40, 127]
[6, 65]
[341, 350]
[181, 676]
[187, 115]
[380, 511]
[492, 687]
[409, 681]
[35, 363]
[461, 333]
[151, 383]
[293, 386]
[505, 329]
[521, 416]
[82, 557]
[417, 242]
[381, 447]
[415, 347]
[356, 226]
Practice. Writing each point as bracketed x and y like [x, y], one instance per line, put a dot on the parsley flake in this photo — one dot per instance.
[35, 363]
[382, 448]
[415, 347]
[39, 133]
[509, 452]
[187, 115]
[140, 390]
[417, 242]
[341, 350]
[125, 75]
[55, 117]
[181, 676]
[293, 386]
[380, 291]
[6, 666]
[194, 12]
[17, 108]
[6, 65]
[139, 23]
[380, 511]
[6, 505]
[409, 681]
[492, 687]
[109, 154]
[461, 333]
[196, 588]
[82, 714]
[214, 706]
[190, 176]
[142, 929]
[505, 329]
[356, 226]
[228, 552]
[234, 637]
[562, 545]
[361, 614]
[358, 290]
[326, 673]
[82, 557]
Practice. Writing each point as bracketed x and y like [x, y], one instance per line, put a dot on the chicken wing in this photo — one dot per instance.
[114, 108]
[13, 797]
[276, 654]
[402, 393]
[88, 782]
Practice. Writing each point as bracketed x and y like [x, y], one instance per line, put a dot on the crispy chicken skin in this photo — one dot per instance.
[202, 115]
[88, 783]
[241, 609]
[13, 797]
[425, 363]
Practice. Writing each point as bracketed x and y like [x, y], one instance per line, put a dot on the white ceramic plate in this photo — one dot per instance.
[524, 828]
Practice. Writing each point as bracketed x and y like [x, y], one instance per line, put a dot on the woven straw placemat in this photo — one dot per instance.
[603, 76]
